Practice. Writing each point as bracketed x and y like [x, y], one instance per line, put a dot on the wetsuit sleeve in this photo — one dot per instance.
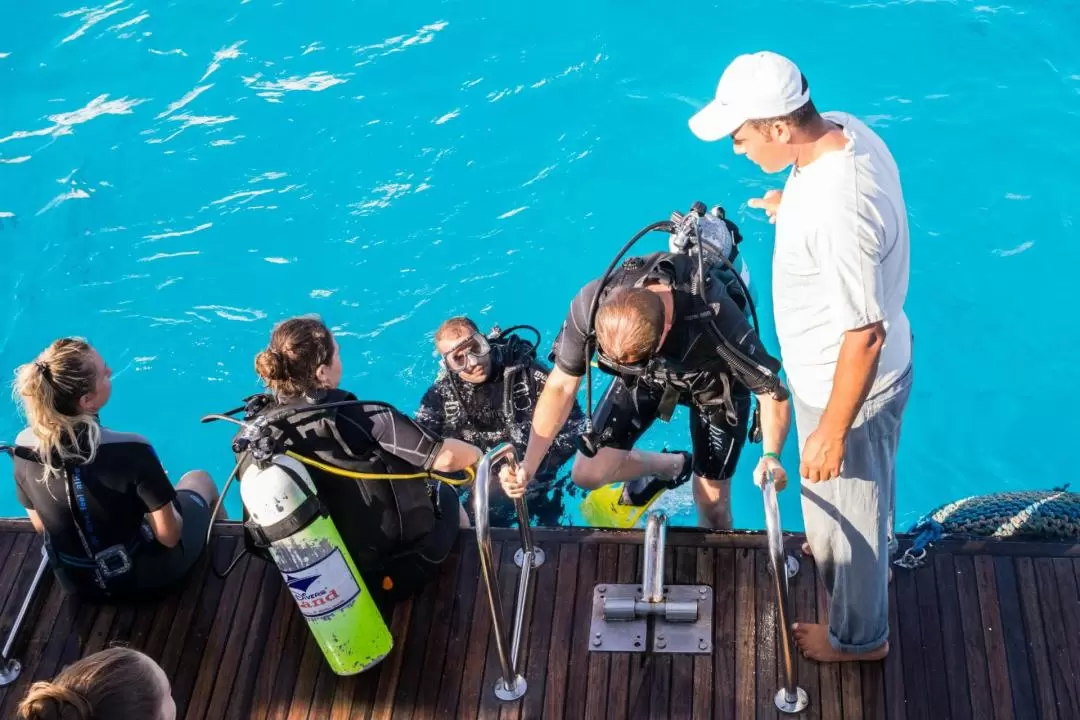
[20, 478]
[151, 483]
[754, 367]
[394, 432]
[570, 343]
[431, 415]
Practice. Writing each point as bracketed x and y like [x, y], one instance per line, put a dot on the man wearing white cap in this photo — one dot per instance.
[840, 276]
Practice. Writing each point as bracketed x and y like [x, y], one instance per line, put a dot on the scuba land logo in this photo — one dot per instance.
[324, 586]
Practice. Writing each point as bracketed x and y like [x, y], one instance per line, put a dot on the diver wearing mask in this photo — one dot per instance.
[671, 334]
[485, 395]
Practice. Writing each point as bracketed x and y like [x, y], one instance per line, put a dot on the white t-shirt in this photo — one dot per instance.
[841, 262]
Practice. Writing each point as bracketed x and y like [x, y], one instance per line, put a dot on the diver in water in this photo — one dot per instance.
[485, 394]
[670, 334]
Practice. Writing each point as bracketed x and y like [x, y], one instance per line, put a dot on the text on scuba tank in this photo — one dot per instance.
[324, 586]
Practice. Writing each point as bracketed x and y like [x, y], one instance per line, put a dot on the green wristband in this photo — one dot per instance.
[773, 455]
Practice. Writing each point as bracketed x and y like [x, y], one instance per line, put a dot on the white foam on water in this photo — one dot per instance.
[512, 213]
[91, 17]
[230, 53]
[191, 95]
[164, 256]
[448, 116]
[179, 233]
[73, 194]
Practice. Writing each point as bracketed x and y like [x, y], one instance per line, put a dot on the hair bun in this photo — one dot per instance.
[50, 701]
[270, 364]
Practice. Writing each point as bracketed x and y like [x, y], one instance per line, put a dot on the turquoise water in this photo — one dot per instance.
[176, 177]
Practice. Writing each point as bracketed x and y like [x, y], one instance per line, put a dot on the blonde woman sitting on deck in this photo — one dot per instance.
[114, 526]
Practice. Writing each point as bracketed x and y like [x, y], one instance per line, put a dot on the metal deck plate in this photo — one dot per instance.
[618, 635]
[694, 638]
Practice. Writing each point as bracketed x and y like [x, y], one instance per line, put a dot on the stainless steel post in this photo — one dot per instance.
[511, 685]
[653, 570]
[10, 668]
[790, 698]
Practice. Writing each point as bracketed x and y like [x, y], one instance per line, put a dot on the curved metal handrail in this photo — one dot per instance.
[511, 685]
[790, 698]
[10, 668]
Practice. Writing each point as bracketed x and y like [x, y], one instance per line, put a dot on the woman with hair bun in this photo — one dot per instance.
[114, 526]
[396, 530]
[114, 683]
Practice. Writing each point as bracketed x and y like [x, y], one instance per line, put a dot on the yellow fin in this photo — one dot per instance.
[601, 508]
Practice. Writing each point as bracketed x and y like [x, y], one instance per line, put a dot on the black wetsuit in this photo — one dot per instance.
[689, 363]
[499, 410]
[109, 499]
[391, 528]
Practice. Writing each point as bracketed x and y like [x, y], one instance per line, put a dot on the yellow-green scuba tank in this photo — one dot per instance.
[280, 497]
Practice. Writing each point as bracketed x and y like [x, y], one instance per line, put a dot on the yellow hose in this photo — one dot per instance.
[469, 472]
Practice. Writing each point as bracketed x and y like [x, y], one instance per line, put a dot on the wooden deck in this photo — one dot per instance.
[984, 630]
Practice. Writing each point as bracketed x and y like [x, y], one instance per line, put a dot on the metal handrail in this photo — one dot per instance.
[790, 698]
[511, 685]
[10, 668]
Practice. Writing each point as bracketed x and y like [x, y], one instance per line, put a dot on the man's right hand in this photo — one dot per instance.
[514, 480]
[769, 202]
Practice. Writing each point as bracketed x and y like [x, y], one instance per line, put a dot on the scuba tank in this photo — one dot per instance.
[285, 512]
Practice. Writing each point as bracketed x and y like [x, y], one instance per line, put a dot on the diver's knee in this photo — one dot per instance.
[199, 481]
[587, 473]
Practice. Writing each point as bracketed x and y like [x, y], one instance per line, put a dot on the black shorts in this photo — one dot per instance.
[624, 414]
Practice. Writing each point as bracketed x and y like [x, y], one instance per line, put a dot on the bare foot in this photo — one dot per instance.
[813, 641]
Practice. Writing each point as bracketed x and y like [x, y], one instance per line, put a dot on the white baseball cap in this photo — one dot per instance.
[753, 87]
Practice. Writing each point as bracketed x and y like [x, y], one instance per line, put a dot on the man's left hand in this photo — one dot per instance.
[822, 455]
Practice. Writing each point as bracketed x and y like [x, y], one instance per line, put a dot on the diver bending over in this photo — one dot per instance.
[486, 396]
[396, 531]
[665, 346]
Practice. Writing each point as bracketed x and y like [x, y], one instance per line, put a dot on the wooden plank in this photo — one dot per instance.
[893, 666]
[659, 685]
[767, 645]
[183, 683]
[382, 704]
[259, 664]
[873, 689]
[952, 638]
[997, 662]
[831, 684]
[415, 649]
[578, 668]
[702, 690]
[620, 676]
[974, 641]
[229, 679]
[326, 684]
[311, 662]
[804, 610]
[480, 641]
[75, 641]
[1068, 625]
[13, 551]
[1012, 626]
[435, 650]
[1037, 639]
[933, 654]
[292, 653]
[745, 635]
[39, 626]
[179, 624]
[211, 669]
[99, 633]
[46, 665]
[469, 594]
[559, 652]
[607, 568]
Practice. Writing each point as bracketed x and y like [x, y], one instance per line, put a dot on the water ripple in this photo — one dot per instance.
[91, 17]
[63, 122]
[230, 53]
[179, 233]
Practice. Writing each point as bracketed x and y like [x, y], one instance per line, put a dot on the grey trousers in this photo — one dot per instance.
[849, 519]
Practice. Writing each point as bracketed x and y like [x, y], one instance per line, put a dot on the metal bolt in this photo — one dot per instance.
[597, 634]
[661, 643]
[602, 589]
[660, 638]
[597, 642]
[702, 644]
[701, 590]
